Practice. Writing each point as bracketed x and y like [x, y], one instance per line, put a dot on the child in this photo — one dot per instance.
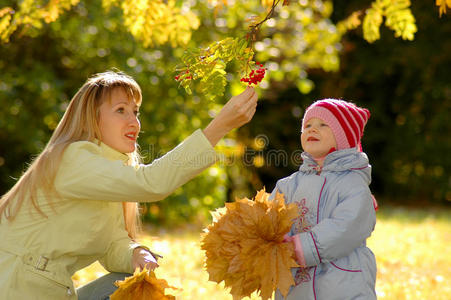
[77, 202]
[335, 206]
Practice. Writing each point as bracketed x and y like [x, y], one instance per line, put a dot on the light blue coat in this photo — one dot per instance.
[335, 217]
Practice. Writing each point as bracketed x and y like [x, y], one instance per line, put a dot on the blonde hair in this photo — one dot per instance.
[80, 122]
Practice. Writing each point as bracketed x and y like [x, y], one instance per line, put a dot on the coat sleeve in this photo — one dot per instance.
[286, 186]
[85, 174]
[118, 257]
[347, 228]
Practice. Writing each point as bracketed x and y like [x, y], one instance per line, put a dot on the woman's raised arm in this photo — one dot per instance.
[238, 111]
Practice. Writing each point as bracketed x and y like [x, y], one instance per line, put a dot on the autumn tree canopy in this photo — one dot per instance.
[155, 23]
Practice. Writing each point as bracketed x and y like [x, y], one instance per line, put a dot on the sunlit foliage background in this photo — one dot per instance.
[310, 54]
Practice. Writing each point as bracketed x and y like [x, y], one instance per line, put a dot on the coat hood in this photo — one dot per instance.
[350, 160]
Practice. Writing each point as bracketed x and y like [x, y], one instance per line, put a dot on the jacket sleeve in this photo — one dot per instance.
[85, 174]
[347, 228]
[118, 257]
[286, 186]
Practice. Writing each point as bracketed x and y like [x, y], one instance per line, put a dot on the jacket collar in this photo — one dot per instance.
[340, 160]
[111, 153]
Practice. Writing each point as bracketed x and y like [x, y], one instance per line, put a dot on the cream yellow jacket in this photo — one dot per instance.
[39, 255]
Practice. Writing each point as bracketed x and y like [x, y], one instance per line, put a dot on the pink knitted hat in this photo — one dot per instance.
[346, 120]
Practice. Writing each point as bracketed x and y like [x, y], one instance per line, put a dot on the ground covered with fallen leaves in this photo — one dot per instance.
[411, 247]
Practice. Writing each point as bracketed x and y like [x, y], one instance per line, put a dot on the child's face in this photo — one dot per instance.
[119, 123]
[317, 138]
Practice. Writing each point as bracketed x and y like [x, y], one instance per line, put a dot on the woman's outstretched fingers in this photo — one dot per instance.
[248, 105]
[245, 106]
[251, 104]
[238, 111]
[248, 96]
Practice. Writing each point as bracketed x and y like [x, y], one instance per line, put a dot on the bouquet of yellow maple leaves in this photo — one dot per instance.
[142, 285]
[244, 246]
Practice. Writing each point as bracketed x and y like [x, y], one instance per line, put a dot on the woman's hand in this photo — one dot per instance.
[143, 258]
[238, 111]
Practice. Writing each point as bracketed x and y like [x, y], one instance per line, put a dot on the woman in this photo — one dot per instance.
[77, 202]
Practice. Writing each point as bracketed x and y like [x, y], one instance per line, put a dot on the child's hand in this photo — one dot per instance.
[287, 238]
[143, 258]
[297, 248]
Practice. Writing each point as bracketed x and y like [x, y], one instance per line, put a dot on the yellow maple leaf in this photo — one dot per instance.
[142, 285]
[244, 246]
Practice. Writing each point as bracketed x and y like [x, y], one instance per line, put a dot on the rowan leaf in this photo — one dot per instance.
[209, 65]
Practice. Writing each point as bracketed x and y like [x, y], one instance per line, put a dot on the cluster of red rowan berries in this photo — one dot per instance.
[255, 76]
[178, 77]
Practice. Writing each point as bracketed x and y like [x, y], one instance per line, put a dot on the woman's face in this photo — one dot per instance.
[119, 123]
